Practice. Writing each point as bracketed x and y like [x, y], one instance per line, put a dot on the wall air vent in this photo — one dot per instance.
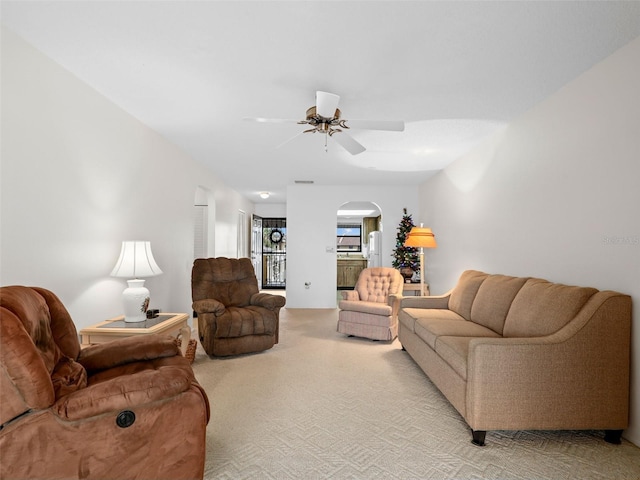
[306, 182]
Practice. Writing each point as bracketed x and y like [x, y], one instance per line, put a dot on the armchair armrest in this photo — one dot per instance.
[209, 305]
[127, 350]
[350, 295]
[267, 300]
[164, 378]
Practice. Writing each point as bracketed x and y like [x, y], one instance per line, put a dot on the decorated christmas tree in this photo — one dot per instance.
[405, 256]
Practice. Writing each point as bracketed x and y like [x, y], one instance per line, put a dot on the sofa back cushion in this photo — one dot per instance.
[465, 291]
[493, 300]
[541, 308]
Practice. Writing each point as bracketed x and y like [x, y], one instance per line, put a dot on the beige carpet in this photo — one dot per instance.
[320, 405]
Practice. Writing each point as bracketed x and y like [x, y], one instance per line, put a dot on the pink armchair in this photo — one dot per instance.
[130, 408]
[370, 310]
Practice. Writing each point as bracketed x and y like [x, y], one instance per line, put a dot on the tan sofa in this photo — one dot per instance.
[513, 353]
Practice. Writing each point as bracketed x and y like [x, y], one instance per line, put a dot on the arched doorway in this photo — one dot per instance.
[358, 240]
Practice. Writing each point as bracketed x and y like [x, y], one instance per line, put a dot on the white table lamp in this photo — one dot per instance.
[136, 260]
[421, 237]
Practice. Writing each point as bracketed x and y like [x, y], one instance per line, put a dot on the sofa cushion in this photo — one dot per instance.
[464, 293]
[408, 316]
[454, 351]
[494, 299]
[542, 308]
[430, 329]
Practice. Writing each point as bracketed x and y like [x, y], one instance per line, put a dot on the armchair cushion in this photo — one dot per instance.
[375, 308]
[250, 320]
[376, 283]
[230, 281]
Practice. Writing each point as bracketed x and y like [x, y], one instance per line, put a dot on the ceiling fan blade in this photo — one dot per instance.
[326, 104]
[348, 143]
[390, 125]
[289, 140]
[269, 120]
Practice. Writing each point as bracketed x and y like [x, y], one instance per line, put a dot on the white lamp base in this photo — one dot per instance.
[135, 299]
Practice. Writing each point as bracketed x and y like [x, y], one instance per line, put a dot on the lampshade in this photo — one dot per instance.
[421, 237]
[136, 260]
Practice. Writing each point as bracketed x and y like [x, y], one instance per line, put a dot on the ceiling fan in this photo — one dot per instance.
[325, 117]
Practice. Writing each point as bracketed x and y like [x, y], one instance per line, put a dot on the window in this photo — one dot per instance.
[349, 238]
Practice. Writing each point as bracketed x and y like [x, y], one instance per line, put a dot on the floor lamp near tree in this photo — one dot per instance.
[421, 237]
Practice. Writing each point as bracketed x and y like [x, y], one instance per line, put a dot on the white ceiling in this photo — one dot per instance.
[454, 71]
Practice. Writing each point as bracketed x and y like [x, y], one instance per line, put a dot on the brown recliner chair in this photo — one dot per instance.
[233, 316]
[370, 310]
[130, 408]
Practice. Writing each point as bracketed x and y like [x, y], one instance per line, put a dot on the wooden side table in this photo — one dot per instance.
[415, 288]
[165, 323]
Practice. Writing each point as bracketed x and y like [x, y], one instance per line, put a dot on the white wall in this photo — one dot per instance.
[79, 175]
[270, 210]
[311, 229]
[556, 195]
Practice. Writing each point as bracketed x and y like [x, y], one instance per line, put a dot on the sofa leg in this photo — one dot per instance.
[613, 436]
[478, 437]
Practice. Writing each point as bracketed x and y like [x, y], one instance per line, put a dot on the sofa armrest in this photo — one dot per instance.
[267, 300]
[127, 350]
[394, 300]
[434, 301]
[165, 378]
[209, 305]
[576, 378]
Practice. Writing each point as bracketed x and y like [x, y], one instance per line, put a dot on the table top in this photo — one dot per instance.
[414, 286]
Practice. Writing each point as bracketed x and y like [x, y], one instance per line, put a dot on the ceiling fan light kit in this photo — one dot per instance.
[325, 117]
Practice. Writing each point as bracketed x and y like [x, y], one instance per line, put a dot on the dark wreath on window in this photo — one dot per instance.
[275, 236]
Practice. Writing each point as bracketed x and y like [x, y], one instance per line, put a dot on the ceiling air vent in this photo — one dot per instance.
[306, 182]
